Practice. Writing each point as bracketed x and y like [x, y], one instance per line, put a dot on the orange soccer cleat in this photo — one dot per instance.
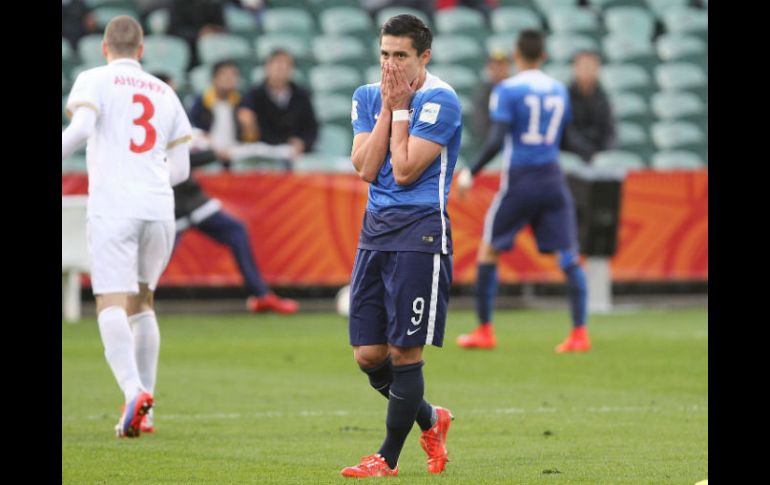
[577, 341]
[481, 338]
[271, 302]
[433, 441]
[370, 466]
[129, 425]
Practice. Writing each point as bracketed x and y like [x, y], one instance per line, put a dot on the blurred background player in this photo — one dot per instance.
[592, 128]
[529, 112]
[194, 209]
[283, 109]
[137, 132]
[407, 132]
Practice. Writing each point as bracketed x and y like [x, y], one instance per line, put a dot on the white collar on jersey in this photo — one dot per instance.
[126, 61]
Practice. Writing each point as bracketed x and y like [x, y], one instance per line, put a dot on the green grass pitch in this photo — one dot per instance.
[276, 399]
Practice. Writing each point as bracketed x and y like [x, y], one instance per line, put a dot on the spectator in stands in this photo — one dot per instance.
[283, 109]
[195, 209]
[193, 19]
[593, 126]
[498, 68]
[76, 21]
[220, 111]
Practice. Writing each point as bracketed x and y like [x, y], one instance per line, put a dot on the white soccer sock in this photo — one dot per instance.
[146, 346]
[119, 349]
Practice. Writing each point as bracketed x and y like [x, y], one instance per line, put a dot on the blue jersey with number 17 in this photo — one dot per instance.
[412, 217]
[536, 108]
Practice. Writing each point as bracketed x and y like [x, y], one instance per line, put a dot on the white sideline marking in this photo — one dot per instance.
[692, 408]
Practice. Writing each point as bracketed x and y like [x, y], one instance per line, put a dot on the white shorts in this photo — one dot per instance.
[126, 252]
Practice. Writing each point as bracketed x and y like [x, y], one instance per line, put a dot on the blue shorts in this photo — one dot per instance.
[399, 297]
[537, 196]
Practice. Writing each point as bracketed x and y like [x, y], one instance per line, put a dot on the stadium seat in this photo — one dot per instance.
[561, 48]
[84, 67]
[569, 161]
[620, 48]
[67, 54]
[577, 20]
[75, 163]
[462, 21]
[677, 160]
[334, 140]
[298, 46]
[680, 135]
[682, 48]
[682, 76]
[347, 21]
[546, 6]
[158, 21]
[630, 21]
[617, 159]
[561, 72]
[217, 47]
[516, 3]
[605, 4]
[388, 12]
[502, 42]
[687, 20]
[288, 20]
[658, 7]
[514, 19]
[314, 162]
[103, 15]
[633, 137]
[345, 50]
[166, 50]
[448, 49]
[626, 77]
[90, 48]
[462, 79]
[333, 108]
[334, 79]
[373, 74]
[629, 106]
[679, 105]
[241, 21]
[319, 6]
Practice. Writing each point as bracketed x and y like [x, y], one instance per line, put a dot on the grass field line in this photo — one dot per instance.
[694, 408]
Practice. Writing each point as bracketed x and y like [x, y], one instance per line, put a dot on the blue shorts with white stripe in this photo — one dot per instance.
[399, 297]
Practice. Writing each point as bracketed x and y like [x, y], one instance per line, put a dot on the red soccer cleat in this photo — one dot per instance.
[271, 302]
[481, 338]
[147, 426]
[370, 466]
[129, 425]
[577, 341]
[433, 441]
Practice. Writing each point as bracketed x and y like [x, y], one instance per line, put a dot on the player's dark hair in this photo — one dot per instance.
[222, 64]
[162, 76]
[531, 44]
[406, 25]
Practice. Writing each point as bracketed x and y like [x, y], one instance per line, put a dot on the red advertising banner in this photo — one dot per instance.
[304, 229]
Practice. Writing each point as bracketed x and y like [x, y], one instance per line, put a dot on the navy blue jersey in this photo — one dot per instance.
[412, 217]
[536, 107]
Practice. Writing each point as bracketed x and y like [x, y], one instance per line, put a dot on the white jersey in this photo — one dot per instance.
[139, 117]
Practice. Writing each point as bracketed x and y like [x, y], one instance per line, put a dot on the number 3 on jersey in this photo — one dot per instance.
[148, 110]
[550, 103]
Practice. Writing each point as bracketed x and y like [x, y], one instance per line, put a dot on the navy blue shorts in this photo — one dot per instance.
[399, 297]
[539, 197]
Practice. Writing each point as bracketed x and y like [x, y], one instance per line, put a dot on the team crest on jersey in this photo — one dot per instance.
[429, 113]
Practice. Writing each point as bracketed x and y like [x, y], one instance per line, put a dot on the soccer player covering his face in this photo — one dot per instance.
[406, 140]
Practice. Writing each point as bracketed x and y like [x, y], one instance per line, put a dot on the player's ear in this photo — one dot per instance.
[140, 52]
[104, 49]
[425, 57]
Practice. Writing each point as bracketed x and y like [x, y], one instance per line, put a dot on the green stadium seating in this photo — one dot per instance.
[334, 140]
[626, 77]
[333, 109]
[630, 21]
[461, 20]
[657, 7]
[516, 3]
[562, 72]
[76, 163]
[288, 20]
[633, 137]
[90, 48]
[677, 160]
[462, 79]
[514, 19]
[687, 20]
[682, 48]
[347, 21]
[577, 20]
[679, 105]
[345, 50]
[620, 48]
[502, 42]
[84, 67]
[605, 4]
[103, 15]
[216, 47]
[298, 46]
[373, 74]
[680, 135]
[546, 6]
[334, 79]
[314, 162]
[617, 159]
[562, 47]
[570, 161]
[388, 12]
[158, 21]
[449, 49]
[319, 6]
[241, 21]
[167, 50]
[682, 76]
[629, 106]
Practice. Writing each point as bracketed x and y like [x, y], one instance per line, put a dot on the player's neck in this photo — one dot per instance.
[422, 76]
[527, 66]
[111, 59]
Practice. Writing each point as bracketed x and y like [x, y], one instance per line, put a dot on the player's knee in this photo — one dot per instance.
[405, 355]
[487, 253]
[368, 356]
[568, 259]
[142, 301]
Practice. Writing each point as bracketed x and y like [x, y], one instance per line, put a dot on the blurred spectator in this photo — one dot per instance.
[220, 112]
[76, 21]
[498, 68]
[193, 19]
[593, 127]
[283, 109]
[194, 209]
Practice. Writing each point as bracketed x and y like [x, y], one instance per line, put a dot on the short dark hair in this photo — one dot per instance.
[406, 25]
[223, 64]
[162, 76]
[531, 44]
[279, 51]
[587, 52]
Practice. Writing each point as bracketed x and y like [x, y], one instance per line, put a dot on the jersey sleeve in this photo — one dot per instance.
[438, 118]
[181, 131]
[360, 116]
[500, 105]
[85, 93]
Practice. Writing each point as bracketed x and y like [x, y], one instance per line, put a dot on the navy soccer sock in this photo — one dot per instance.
[486, 290]
[578, 293]
[381, 377]
[406, 393]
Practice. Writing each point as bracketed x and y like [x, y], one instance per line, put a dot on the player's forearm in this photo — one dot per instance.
[405, 171]
[369, 157]
[80, 128]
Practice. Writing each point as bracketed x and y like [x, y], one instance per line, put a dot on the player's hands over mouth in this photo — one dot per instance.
[398, 92]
